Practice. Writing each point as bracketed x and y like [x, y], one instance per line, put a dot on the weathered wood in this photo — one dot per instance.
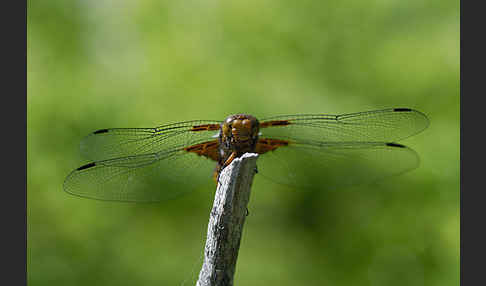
[226, 222]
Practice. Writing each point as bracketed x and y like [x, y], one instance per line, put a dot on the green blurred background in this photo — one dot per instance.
[98, 64]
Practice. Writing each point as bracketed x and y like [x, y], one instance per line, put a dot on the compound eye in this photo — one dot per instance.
[246, 124]
[237, 124]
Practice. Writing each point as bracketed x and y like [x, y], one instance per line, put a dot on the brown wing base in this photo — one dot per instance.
[267, 144]
[207, 149]
[210, 150]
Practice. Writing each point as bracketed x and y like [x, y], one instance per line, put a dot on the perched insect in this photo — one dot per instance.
[142, 164]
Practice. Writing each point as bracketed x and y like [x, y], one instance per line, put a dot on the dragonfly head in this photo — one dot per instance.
[240, 129]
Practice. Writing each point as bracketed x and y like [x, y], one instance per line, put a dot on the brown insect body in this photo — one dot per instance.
[238, 135]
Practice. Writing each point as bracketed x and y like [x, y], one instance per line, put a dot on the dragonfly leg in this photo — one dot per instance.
[229, 160]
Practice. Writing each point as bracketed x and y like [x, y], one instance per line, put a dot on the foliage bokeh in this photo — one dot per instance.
[98, 64]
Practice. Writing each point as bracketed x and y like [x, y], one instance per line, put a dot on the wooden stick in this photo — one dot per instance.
[226, 222]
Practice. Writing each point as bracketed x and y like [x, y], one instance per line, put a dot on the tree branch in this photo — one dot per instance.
[226, 222]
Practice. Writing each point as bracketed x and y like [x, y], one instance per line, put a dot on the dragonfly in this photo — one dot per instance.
[301, 151]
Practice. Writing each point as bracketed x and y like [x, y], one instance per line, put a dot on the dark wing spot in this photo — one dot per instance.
[86, 166]
[402, 109]
[395, 145]
[100, 131]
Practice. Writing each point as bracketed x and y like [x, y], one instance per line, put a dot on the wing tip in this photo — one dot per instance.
[424, 118]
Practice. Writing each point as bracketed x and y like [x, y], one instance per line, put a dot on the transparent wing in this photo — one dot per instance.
[386, 125]
[141, 178]
[335, 165]
[122, 142]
